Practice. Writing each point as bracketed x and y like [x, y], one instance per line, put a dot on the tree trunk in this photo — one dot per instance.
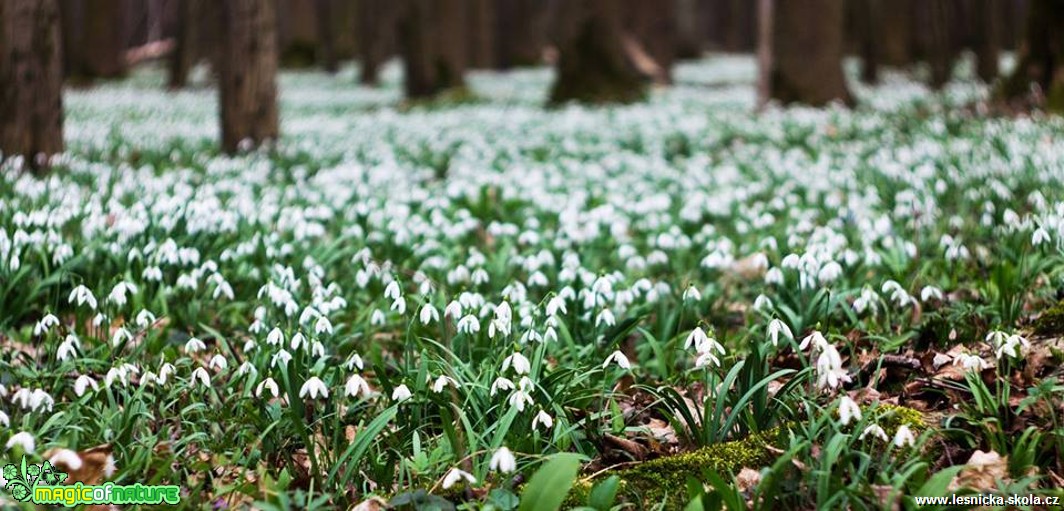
[185, 53]
[1039, 75]
[593, 63]
[377, 24]
[653, 25]
[481, 39]
[690, 36]
[522, 33]
[105, 39]
[867, 26]
[326, 42]
[896, 33]
[433, 43]
[987, 39]
[248, 73]
[801, 45]
[936, 39]
[31, 74]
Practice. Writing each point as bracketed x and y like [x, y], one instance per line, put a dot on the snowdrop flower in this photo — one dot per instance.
[281, 356]
[774, 276]
[1009, 347]
[5, 421]
[442, 382]
[519, 399]
[875, 431]
[518, 361]
[469, 324]
[619, 358]
[317, 349]
[763, 303]
[696, 338]
[502, 321]
[66, 350]
[194, 345]
[429, 314]
[503, 461]
[904, 436]
[145, 318]
[605, 317]
[275, 337]
[543, 418]
[455, 475]
[970, 362]
[323, 326]
[267, 384]
[930, 293]
[401, 393]
[777, 327]
[453, 310]
[82, 383]
[354, 361]
[692, 294]
[22, 440]
[707, 358]
[830, 373]
[377, 318]
[848, 410]
[246, 368]
[118, 293]
[1040, 236]
[297, 341]
[829, 273]
[399, 306]
[45, 324]
[314, 387]
[501, 383]
[200, 375]
[152, 274]
[218, 362]
[164, 373]
[121, 335]
[356, 385]
[392, 292]
[82, 296]
[815, 339]
[556, 305]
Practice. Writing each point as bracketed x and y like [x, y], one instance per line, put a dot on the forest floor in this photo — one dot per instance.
[493, 305]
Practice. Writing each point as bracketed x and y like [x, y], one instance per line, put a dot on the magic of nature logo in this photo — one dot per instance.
[43, 484]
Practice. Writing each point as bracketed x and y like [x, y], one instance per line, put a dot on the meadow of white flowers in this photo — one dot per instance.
[436, 296]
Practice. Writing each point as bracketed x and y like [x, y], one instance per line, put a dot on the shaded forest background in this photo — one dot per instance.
[602, 50]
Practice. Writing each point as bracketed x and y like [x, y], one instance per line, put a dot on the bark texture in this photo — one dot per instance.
[433, 43]
[482, 47]
[106, 32]
[31, 78]
[653, 27]
[593, 64]
[802, 49]
[377, 24]
[522, 32]
[248, 73]
[186, 41]
[1039, 77]
[987, 38]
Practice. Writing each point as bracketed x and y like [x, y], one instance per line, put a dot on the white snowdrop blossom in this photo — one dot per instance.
[356, 385]
[269, 385]
[875, 431]
[200, 376]
[22, 440]
[218, 362]
[82, 383]
[469, 324]
[428, 314]
[193, 345]
[519, 362]
[618, 358]
[848, 410]
[777, 327]
[503, 461]
[542, 419]
[314, 388]
[1040, 236]
[691, 294]
[401, 393]
[501, 384]
[904, 436]
[442, 382]
[455, 475]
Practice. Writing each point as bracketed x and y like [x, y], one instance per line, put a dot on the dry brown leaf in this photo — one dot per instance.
[982, 472]
[747, 479]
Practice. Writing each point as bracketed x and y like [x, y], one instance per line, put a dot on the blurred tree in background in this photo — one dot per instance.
[602, 50]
